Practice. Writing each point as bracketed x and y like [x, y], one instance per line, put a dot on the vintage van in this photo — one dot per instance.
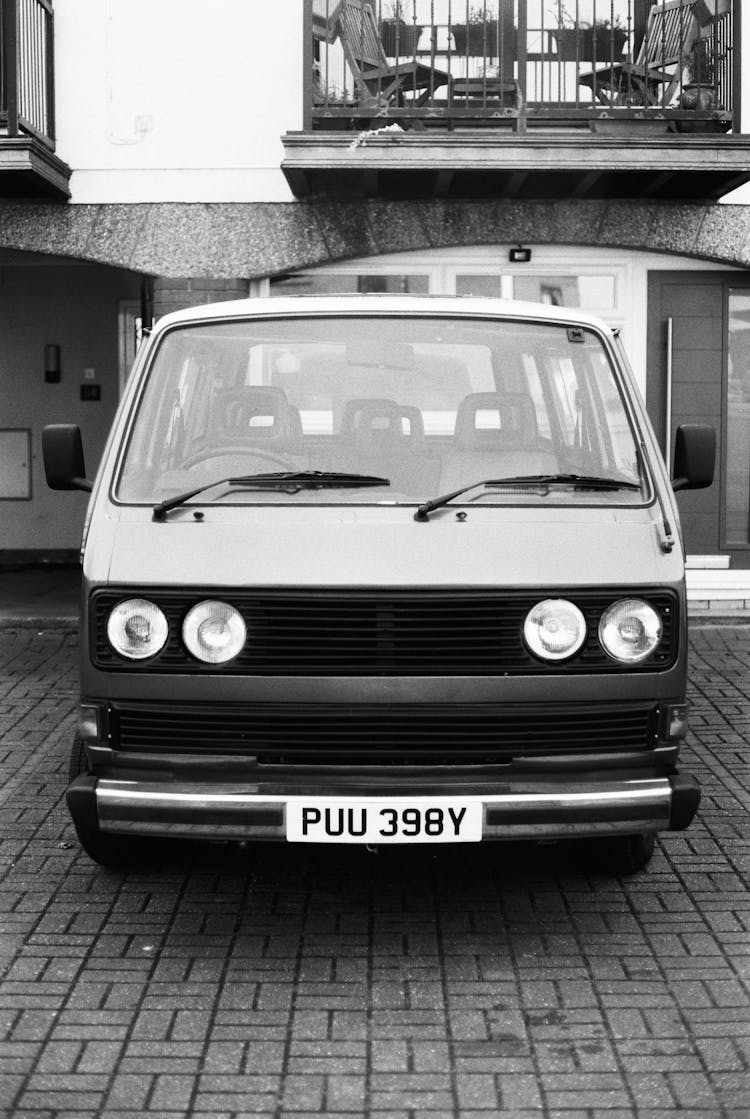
[381, 570]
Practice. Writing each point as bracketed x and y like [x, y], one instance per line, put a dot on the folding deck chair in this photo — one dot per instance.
[656, 74]
[380, 83]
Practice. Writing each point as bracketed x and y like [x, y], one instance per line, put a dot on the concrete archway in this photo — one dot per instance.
[252, 240]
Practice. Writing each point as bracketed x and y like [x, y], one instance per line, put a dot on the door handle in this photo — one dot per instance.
[668, 392]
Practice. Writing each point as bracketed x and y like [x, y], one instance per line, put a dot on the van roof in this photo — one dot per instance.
[303, 305]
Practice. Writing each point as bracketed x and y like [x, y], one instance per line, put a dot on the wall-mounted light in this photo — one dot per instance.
[51, 362]
[519, 255]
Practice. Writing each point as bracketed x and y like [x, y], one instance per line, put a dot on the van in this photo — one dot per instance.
[381, 570]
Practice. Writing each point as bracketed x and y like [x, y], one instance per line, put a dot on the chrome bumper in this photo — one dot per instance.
[245, 812]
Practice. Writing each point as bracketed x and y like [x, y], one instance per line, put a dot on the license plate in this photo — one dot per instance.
[383, 820]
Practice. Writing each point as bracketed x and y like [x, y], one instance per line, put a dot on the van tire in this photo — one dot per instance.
[627, 854]
[113, 851]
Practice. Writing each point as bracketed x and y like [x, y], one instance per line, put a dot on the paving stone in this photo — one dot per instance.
[519, 984]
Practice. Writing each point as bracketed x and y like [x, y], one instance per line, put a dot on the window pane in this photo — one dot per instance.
[738, 421]
[593, 293]
[337, 283]
[492, 287]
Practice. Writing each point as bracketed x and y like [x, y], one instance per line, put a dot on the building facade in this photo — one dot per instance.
[153, 158]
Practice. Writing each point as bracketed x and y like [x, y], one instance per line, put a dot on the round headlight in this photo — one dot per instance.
[137, 629]
[630, 630]
[214, 632]
[554, 629]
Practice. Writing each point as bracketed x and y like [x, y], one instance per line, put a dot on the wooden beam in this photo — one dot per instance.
[515, 184]
[584, 185]
[443, 180]
[657, 184]
[298, 180]
[732, 184]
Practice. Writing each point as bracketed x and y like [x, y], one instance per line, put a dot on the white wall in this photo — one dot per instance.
[186, 100]
[177, 100]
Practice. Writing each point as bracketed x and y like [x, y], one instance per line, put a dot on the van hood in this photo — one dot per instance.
[329, 547]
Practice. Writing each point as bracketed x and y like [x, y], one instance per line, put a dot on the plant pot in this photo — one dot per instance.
[700, 101]
[586, 43]
[399, 38]
[477, 39]
[629, 126]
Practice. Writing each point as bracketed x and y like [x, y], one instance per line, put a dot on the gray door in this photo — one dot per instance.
[699, 362]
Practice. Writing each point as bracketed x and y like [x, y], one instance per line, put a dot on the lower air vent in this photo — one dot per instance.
[360, 734]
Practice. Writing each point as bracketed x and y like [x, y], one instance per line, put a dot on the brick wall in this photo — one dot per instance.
[173, 295]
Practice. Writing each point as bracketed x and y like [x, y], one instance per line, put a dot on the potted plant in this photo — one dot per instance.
[478, 36]
[587, 39]
[399, 36]
[700, 91]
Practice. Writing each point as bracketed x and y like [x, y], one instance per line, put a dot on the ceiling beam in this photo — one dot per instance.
[584, 186]
[515, 184]
[657, 184]
[443, 181]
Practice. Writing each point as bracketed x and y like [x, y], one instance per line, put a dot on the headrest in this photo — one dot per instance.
[371, 422]
[496, 421]
[256, 412]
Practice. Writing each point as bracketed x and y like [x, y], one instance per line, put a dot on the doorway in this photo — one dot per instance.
[699, 372]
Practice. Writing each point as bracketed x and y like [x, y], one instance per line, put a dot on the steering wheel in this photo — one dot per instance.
[277, 458]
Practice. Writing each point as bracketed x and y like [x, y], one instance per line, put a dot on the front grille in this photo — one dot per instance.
[374, 633]
[358, 734]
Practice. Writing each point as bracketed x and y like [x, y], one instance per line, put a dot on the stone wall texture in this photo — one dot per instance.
[253, 240]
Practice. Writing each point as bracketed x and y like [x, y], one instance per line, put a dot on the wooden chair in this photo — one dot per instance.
[380, 83]
[656, 74]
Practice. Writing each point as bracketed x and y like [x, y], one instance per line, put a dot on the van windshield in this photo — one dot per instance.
[430, 404]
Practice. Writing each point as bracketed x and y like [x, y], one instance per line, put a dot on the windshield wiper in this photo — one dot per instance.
[579, 481]
[290, 480]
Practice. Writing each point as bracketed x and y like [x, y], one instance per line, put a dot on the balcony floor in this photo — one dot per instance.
[29, 169]
[543, 163]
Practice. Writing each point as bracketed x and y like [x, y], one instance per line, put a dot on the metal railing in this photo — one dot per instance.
[27, 69]
[481, 62]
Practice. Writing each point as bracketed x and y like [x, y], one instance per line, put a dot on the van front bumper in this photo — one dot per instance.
[546, 809]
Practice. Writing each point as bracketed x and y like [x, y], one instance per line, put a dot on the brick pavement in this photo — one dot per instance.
[505, 980]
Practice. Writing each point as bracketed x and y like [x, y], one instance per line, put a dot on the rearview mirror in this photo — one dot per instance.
[62, 451]
[379, 353]
[694, 457]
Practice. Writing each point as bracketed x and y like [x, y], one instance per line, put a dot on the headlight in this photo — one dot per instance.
[214, 632]
[630, 630]
[137, 629]
[554, 629]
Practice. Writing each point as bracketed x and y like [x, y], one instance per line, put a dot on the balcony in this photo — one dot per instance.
[520, 98]
[28, 164]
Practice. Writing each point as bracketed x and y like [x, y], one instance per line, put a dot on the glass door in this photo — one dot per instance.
[737, 501]
[699, 372]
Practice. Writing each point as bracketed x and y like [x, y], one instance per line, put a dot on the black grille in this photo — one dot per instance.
[373, 633]
[356, 734]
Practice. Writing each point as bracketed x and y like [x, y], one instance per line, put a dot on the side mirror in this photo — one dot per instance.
[694, 457]
[62, 451]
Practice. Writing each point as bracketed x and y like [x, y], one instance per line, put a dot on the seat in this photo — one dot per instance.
[655, 76]
[377, 423]
[250, 427]
[380, 83]
[495, 437]
[384, 437]
[250, 414]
